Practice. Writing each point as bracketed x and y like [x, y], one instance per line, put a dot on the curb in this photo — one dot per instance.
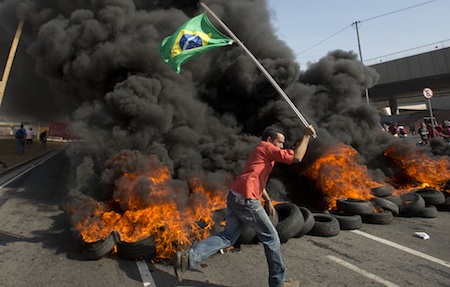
[14, 167]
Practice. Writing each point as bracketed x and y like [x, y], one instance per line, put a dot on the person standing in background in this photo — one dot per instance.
[20, 135]
[412, 129]
[43, 138]
[30, 137]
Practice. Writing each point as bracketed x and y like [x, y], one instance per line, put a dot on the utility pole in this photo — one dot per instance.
[9, 62]
[360, 53]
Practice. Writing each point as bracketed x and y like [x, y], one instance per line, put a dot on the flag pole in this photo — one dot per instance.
[260, 66]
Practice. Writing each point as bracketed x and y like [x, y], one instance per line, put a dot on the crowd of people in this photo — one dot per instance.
[26, 137]
[425, 131]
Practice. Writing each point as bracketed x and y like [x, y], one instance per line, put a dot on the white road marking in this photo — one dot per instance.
[403, 248]
[147, 278]
[27, 170]
[362, 272]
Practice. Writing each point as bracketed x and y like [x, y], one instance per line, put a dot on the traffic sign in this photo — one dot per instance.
[427, 93]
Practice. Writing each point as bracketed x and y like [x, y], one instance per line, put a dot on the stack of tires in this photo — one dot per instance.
[292, 221]
[423, 202]
[142, 249]
[370, 211]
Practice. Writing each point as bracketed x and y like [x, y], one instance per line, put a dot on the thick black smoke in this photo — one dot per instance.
[100, 62]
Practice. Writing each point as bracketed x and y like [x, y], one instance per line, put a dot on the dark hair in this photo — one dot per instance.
[272, 131]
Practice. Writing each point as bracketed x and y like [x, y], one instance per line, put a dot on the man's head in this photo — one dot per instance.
[274, 135]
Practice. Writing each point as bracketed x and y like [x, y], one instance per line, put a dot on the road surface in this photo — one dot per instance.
[38, 248]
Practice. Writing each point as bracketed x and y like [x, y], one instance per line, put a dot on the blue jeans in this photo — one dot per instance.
[20, 146]
[251, 213]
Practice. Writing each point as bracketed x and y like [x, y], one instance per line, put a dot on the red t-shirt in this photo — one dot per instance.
[252, 180]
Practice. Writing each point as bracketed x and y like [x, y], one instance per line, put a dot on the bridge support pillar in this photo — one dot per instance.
[393, 105]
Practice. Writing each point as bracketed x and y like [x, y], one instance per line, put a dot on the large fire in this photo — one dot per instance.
[416, 169]
[338, 175]
[148, 202]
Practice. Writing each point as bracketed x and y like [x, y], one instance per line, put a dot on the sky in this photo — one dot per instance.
[388, 29]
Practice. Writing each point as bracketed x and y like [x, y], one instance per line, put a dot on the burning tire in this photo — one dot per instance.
[383, 217]
[386, 204]
[355, 206]
[431, 196]
[325, 225]
[428, 212]
[347, 221]
[100, 248]
[290, 222]
[309, 222]
[142, 249]
[382, 191]
[219, 216]
[412, 203]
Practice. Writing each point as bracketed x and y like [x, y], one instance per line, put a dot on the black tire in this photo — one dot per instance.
[347, 221]
[445, 206]
[412, 203]
[142, 249]
[385, 204]
[309, 222]
[395, 199]
[355, 206]
[325, 225]
[100, 248]
[382, 191]
[290, 220]
[428, 212]
[431, 196]
[383, 217]
[219, 216]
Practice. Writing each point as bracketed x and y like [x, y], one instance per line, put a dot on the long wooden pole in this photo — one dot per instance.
[260, 66]
[9, 62]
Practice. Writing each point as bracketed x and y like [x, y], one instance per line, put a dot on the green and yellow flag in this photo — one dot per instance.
[193, 38]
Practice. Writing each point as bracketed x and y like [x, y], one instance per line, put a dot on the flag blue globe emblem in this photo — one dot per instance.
[189, 41]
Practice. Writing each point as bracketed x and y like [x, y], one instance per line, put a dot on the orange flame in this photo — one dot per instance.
[152, 204]
[338, 175]
[417, 169]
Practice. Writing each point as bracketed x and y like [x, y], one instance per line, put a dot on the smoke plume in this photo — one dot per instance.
[96, 62]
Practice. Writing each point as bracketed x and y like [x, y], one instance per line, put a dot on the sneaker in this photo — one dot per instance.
[180, 263]
[291, 283]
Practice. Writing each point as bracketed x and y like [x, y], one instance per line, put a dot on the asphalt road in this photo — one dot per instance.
[37, 247]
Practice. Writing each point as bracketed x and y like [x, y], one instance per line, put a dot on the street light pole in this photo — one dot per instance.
[360, 53]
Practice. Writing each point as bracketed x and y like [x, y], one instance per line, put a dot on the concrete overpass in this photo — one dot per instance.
[403, 80]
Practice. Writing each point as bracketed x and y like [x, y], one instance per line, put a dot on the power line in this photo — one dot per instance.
[324, 40]
[368, 19]
[407, 50]
[400, 10]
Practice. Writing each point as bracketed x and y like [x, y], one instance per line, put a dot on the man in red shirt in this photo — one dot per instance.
[245, 208]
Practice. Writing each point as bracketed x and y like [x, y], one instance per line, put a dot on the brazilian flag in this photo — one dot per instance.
[193, 38]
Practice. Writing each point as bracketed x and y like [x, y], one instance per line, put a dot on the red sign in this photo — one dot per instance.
[427, 93]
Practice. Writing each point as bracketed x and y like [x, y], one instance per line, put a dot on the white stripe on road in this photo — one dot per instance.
[147, 278]
[362, 272]
[27, 170]
[403, 248]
